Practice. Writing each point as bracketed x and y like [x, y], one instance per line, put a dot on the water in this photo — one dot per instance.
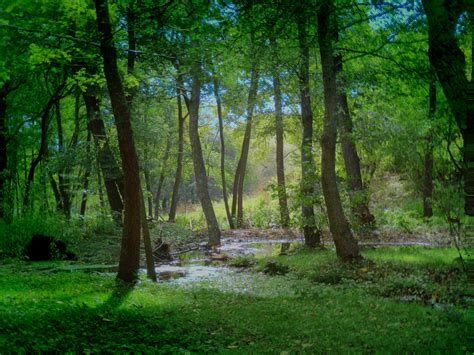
[199, 266]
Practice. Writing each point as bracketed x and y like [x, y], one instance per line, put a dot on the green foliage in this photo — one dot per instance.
[448, 199]
[408, 273]
[273, 268]
[15, 236]
[242, 261]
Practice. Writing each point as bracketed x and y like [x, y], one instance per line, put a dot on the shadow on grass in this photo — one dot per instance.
[118, 296]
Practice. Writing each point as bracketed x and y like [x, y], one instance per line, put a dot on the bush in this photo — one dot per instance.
[15, 236]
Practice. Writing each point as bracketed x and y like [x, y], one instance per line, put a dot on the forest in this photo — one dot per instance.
[242, 176]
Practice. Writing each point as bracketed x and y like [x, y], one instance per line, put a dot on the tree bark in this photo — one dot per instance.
[87, 175]
[180, 153]
[57, 194]
[111, 172]
[347, 248]
[130, 249]
[238, 189]
[198, 160]
[222, 141]
[146, 174]
[150, 265]
[449, 63]
[280, 165]
[312, 235]
[429, 159]
[357, 191]
[151, 273]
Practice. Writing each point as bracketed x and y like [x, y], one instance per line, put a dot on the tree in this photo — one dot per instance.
[450, 66]
[346, 246]
[111, 172]
[215, 81]
[180, 153]
[279, 129]
[312, 235]
[44, 125]
[198, 160]
[428, 158]
[130, 249]
[239, 177]
[357, 193]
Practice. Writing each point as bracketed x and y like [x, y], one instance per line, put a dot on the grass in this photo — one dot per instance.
[428, 275]
[76, 311]
[261, 211]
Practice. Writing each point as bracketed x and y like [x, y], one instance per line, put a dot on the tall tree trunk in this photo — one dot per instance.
[99, 181]
[87, 175]
[238, 189]
[62, 173]
[151, 273]
[347, 248]
[146, 175]
[180, 154]
[44, 125]
[222, 141]
[280, 165]
[130, 249]
[163, 173]
[428, 166]
[312, 235]
[146, 166]
[111, 172]
[57, 194]
[357, 191]
[150, 265]
[4, 90]
[198, 160]
[449, 63]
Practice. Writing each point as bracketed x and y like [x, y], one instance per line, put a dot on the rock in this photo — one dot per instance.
[219, 257]
[43, 248]
[168, 275]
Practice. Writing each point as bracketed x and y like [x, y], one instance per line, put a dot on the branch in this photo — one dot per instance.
[30, 30]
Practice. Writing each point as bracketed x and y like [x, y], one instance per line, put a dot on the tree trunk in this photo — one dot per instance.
[312, 235]
[146, 174]
[357, 191]
[62, 173]
[180, 154]
[112, 175]
[449, 63]
[130, 249]
[4, 90]
[151, 273]
[87, 175]
[150, 265]
[44, 124]
[280, 165]
[222, 141]
[237, 198]
[198, 160]
[57, 194]
[347, 248]
[163, 174]
[429, 159]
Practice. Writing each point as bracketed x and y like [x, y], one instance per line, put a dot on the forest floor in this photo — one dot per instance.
[403, 298]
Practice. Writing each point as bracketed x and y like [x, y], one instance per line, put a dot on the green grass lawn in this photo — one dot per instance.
[306, 310]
